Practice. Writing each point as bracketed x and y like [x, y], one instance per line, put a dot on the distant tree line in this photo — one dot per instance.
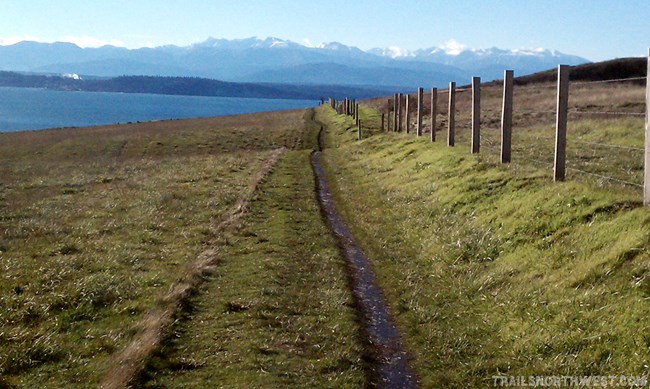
[190, 86]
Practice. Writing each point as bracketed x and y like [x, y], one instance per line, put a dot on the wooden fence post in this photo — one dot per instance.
[476, 114]
[398, 107]
[358, 129]
[400, 97]
[396, 114]
[388, 105]
[388, 119]
[506, 117]
[559, 167]
[451, 124]
[408, 113]
[434, 112]
[382, 122]
[646, 170]
[418, 130]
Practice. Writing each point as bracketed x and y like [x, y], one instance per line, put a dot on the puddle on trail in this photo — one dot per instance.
[389, 366]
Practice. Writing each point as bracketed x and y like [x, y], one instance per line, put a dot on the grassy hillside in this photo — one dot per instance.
[495, 269]
[489, 269]
[98, 224]
[606, 70]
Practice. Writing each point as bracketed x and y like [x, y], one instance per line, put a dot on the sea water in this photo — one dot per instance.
[33, 108]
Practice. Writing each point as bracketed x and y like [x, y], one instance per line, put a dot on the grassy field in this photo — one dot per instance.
[494, 269]
[598, 143]
[277, 312]
[489, 269]
[99, 223]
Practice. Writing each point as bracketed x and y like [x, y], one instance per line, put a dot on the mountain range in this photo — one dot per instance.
[274, 60]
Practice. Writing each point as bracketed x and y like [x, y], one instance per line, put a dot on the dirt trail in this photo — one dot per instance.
[389, 367]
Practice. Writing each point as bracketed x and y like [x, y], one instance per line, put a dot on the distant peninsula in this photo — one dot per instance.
[188, 86]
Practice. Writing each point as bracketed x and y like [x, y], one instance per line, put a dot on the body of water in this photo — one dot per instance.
[34, 109]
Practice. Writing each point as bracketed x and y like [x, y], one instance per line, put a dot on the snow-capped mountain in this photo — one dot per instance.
[277, 60]
[523, 60]
[393, 52]
[247, 43]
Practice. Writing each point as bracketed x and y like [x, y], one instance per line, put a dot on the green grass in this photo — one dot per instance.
[488, 269]
[493, 269]
[98, 223]
[81, 265]
[277, 311]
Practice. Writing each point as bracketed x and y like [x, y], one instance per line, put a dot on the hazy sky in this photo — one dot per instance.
[597, 29]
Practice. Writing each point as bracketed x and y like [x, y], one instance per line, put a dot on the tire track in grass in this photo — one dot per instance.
[128, 363]
[277, 312]
[389, 364]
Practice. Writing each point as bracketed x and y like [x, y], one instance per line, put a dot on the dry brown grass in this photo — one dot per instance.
[612, 108]
[97, 224]
[129, 362]
[532, 103]
[267, 130]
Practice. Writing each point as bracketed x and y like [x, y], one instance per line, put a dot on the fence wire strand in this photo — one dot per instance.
[607, 81]
[614, 113]
[494, 147]
[537, 161]
[605, 177]
[609, 145]
[492, 144]
[534, 112]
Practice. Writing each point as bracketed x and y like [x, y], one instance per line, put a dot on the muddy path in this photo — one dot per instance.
[389, 365]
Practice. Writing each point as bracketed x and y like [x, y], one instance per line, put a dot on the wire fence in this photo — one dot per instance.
[613, 162]
[604, 139]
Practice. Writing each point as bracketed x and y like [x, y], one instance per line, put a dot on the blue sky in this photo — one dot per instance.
[597, 29]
